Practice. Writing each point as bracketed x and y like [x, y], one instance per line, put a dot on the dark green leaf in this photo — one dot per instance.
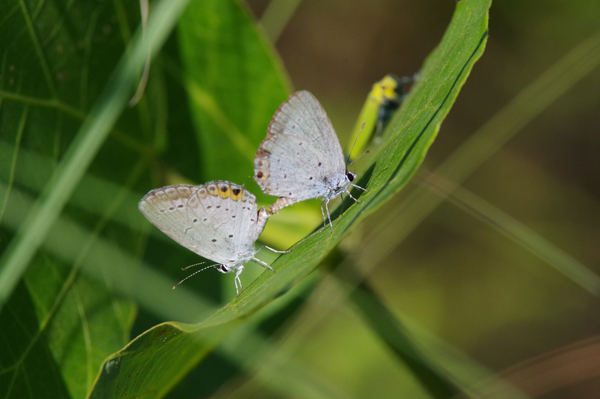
[57, 60]
[234, 82]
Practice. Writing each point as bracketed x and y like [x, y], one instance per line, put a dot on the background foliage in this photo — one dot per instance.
[421, 299]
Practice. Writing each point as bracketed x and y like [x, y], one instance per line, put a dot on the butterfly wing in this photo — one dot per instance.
[301, 157]
[217, 220]
[229, 213]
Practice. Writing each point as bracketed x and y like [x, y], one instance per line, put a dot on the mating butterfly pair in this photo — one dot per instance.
[300, 159]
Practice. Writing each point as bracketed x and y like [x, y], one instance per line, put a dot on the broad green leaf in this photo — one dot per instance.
[234, 82]
[60, 99]
[156, 360]
[23, 359]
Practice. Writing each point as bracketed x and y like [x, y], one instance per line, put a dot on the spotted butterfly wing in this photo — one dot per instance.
[217, 220]
[301, 157]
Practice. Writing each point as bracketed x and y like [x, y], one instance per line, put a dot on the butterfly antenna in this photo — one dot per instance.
[355, 140]
[195, 264]
[196, 272]
[360, 156]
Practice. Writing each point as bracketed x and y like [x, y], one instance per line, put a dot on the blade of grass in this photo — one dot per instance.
[391, 331]
[82, 150]
[513, 229]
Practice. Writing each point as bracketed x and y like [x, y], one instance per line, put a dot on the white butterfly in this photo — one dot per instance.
[217, 220]
[301, 157]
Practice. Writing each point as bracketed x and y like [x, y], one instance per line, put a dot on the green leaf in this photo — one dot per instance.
[60, 102]
[153, 363]
[234, 83]
[22, 359]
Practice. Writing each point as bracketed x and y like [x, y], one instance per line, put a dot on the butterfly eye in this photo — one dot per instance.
[350, 176]
[224, 269]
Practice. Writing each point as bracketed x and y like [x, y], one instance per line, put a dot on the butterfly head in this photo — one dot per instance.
[223, 269]
[350, 176]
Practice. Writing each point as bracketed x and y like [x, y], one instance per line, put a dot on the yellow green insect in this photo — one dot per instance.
[383, 100]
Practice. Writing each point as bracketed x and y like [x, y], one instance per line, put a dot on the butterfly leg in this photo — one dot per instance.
[238, 282]
[357, 186]
[263, 264]
[355, 200]
[274, 250]
[326, 202]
